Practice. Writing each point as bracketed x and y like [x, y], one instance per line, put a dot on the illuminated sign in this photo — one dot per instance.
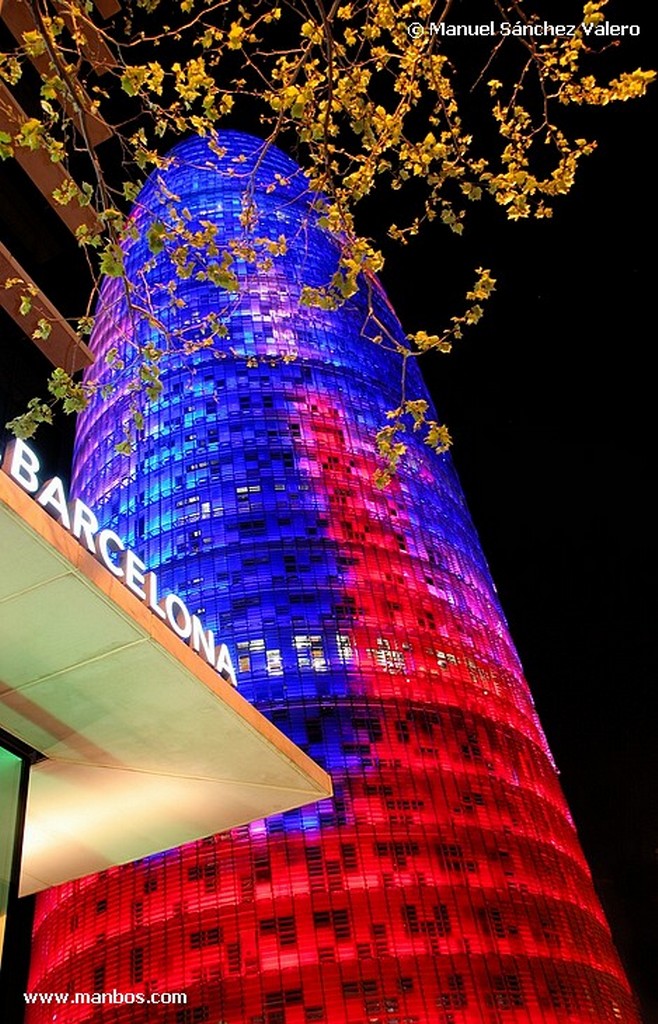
[23, 466]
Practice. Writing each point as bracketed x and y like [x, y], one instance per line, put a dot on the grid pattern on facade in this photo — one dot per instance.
[443, 883]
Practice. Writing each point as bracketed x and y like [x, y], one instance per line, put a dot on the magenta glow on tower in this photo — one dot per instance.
[444, 883]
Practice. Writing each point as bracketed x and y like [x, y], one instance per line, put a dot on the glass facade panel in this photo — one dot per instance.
[444, 882]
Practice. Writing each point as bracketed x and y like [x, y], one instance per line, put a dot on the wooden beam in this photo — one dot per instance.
[94, 48]
[18, 18]
[106, 8]
[63, 347]
[46, 175]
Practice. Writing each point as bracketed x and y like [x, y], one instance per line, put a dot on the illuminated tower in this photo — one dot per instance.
[444, 883]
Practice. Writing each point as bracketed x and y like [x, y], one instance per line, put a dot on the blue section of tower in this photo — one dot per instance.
[228, 502]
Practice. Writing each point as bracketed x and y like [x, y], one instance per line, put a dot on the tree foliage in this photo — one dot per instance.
[374, 97]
